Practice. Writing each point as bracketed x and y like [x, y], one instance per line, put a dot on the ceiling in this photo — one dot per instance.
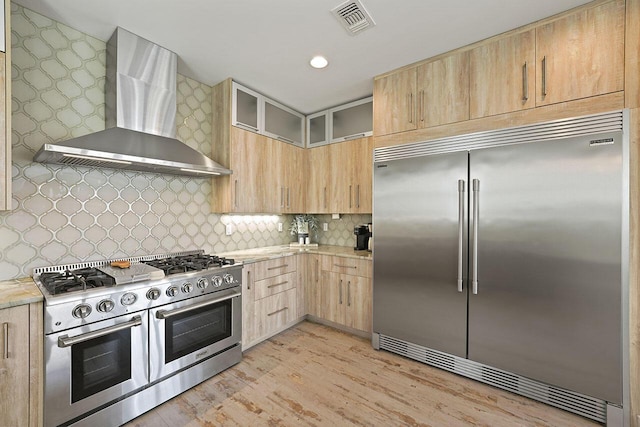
[267, 44]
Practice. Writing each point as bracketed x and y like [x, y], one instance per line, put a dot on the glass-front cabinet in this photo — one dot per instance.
[246, 112]
[318, 129]
[351, 121]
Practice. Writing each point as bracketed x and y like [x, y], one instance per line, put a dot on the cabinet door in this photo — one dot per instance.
[340, 189]
[502, 75]
[14, 366]
[318, 129]
[318, 179]
[333, 297]
[361, 174]
[271, 179]
[283, 123]
[359, 295]
[313, 285]
[353, 120]
[443, 91]
[249, 333]
[581, 55]
[247, 185]
[246, 108]
[394, 99]
[292, 164]
[273, 312]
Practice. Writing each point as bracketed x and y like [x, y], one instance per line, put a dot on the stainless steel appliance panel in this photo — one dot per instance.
[183, 333]
[548, 302]
[418, 236]
[80, 364]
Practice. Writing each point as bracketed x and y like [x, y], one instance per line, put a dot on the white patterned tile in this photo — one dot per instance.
[107, 220]
[68, 235]
[118, 233]
[95, 206]
[82, 220]
[38, 205]
[107, 193]
[68, 206]
[53, 220]
[53, 190]
[82, 249]
[21, 221]
[95, 233]
[37, 238]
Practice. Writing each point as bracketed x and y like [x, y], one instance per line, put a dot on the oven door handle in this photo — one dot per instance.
[67, 341]
[165, 314]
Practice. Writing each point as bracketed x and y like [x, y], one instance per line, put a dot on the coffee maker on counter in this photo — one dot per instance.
[363, 236]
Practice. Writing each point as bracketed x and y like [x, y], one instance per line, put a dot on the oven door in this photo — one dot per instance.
[88, 366]
[186, 332]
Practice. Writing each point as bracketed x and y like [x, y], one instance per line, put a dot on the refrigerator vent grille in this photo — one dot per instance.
[577, 403]
[559, 129]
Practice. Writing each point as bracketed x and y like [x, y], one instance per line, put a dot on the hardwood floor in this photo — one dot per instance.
[313, 375]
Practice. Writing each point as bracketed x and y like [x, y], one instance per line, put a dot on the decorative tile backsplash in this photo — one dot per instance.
[66, 214]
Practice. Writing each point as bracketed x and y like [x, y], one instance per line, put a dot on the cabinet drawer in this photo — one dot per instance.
[274, 285]
[275, 311]
[343, 265]
[275, 267]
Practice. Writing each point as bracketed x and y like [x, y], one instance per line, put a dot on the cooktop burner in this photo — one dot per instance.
[185, 263]
[75, 280]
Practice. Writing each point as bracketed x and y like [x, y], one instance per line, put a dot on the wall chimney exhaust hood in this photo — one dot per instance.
[140, 117]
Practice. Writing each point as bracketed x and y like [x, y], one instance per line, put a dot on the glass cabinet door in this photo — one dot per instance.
[246, 106]
[318, 129]
[282, 123]
[354, 120]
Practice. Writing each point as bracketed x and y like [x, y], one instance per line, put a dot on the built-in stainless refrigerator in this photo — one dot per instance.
[501, 256]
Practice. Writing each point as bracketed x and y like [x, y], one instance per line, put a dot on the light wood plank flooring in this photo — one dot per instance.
[313, 375]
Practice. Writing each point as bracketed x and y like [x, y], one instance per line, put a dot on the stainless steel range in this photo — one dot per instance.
[120, 341]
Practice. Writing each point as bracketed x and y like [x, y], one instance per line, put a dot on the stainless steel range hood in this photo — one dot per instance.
[140, 117]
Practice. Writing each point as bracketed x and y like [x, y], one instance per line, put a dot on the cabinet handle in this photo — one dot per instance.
[350, 196]
[288, 197]
[277, 284]
[280, 266]
[246, 127]
[358, 135]
[544, 76]
[248, 280]
[235, 196]
[344, 266]
[325, 197]
[5, 327]
[282, 197]
[421, 106]
[525, 83]
[410, 106]
[282, 138]
[358, 196]
[317, 268]
[349, 293]
[278, 311]
[340, 291]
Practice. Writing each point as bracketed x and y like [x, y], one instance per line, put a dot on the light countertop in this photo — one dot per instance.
[16, 292]
[248, 256]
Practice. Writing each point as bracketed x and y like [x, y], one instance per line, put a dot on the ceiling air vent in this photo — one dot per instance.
[353, 16]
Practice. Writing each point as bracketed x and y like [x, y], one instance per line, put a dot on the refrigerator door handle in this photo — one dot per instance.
[460, 230]
[474, 248]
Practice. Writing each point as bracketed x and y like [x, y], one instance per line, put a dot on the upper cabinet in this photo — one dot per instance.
[349, 121]
[581, 55]
[431, 94]
[255, 112]
[502, 75]
[5, 107]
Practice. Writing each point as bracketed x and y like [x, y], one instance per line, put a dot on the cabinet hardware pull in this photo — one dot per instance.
[325, 197]
[525, 83]
[5, 327]
[248, 280]
[67, 341]
[359, 135]
[421, 106]
[277, 284]
[246, 127]
[288, 197]
[350, 196]
[278, 311]
[235, 196]
[544, 76]
[461, 198]
[290, 141]
[317, 268]
[344, 266]
[411, 108]
[476, 220]
[340, 291]
[358, 196]
[282, 197]
[280, 266]
[349, 293]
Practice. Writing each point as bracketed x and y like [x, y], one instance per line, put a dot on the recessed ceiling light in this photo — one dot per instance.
[319, 62]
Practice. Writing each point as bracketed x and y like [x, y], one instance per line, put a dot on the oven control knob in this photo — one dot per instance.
[153, 294]
[203, 283]
[187, 287]
[217, 281]
[81, 311]
[172, 291]
[105, 306]
[228, 279]
[128, 298]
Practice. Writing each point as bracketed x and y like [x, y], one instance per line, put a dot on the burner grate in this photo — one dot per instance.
[75, 280]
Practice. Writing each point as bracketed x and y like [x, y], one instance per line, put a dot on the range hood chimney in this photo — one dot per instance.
[140, 117]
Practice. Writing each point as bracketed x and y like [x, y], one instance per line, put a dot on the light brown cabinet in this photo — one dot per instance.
[340, 177]
[581, 55]
[21, 365]
[312, 278]
[431, 94]
[269, 298]
[267, 174]
[502, 75]
[5, 113]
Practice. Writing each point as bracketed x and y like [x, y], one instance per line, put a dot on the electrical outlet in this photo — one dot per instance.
[325, 226]
[228, 230]
[279, 226]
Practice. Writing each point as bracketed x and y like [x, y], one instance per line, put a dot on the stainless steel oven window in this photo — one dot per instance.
[188, 332]
[100, 363]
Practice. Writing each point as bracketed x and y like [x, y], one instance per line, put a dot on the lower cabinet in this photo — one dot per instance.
[21, 365]
[269, 298]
